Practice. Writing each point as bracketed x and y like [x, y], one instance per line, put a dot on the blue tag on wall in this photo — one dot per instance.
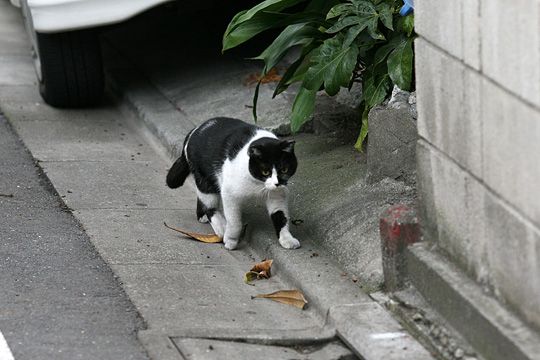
[407, 8]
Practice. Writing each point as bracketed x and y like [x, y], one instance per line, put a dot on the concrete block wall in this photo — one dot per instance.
[478, 88]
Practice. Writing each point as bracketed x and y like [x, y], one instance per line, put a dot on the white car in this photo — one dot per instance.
[66, 48]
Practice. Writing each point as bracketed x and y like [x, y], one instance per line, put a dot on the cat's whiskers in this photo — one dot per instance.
[264, 192]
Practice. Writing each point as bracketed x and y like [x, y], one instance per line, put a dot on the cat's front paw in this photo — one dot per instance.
[218, 224]
[230, 244]
[289, 242]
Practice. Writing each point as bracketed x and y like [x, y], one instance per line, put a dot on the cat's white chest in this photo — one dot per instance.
[235, 179]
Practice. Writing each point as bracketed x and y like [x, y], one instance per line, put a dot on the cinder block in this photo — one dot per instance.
[454, 26]
[449, 96]
[514, 255]
[511, 149]
[493, 242]
[493, 331]
[510, 33]
[391, 143]
[441, 22]
[451, 212]
[471, 33]
[427, 213]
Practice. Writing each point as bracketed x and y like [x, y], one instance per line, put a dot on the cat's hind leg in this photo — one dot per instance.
[208, 210]
[277, 206]
[201, 212]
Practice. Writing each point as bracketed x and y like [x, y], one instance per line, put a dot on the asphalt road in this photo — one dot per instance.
[59, 300]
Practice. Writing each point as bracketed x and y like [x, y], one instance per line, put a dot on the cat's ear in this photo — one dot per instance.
[254, 151]
[287, 146]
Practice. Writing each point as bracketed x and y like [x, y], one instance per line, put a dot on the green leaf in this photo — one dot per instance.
[267, 5]
[373, 30]
[339, 10]
[255, 100]
[332, 65]
[366, 9]
[400, 64]
[343, 23]
[265, 21]
[375, 88]
[246, 30]
[298, 34]
[296, 70]
[363, 131]
[385, 13]
[233, 22]
[287, 78]
[383, 51]
[408, 24]
[263, 16]
[352, 34]
[303, 107]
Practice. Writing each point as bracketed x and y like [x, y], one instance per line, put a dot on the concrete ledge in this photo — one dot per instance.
[374, 334]
[492, 330]
[157, 341]
[366, 327]
[158, 346]
[199, 349]
[322, 281]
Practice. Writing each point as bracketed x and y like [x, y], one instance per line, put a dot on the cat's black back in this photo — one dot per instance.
[210, 144]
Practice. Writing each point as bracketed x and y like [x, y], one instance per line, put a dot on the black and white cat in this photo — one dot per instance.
[234, 162]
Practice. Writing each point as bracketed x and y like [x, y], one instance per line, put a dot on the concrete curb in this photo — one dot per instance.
[158, 115]
[491, 329]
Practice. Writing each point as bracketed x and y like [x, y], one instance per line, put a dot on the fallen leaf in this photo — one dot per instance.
[289, 297]
[271, 76]
[260, 270]
[206, 238]
[263, 266]
[250, 276]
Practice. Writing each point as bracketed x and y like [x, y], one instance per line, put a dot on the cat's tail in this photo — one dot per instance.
[179, 172]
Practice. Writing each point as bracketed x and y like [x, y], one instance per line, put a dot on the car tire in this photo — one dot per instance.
[70, 68]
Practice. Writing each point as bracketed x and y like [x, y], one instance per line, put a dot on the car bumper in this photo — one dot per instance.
[51, 16]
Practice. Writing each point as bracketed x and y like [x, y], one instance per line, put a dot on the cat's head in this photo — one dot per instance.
[272, 161]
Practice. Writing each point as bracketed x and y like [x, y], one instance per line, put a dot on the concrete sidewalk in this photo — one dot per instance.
[174, 82]
[110, 171]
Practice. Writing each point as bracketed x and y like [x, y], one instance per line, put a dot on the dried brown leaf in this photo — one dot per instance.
[271, 76]
[289, 297]
[206, 238]
[263, 266]
[260, 270]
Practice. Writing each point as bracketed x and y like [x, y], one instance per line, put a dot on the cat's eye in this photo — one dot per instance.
[284, 170]
[265, 172]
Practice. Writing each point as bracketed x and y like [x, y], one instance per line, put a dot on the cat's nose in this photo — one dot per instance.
[271, 186]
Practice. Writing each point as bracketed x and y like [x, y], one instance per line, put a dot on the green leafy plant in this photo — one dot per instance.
[340, 41]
